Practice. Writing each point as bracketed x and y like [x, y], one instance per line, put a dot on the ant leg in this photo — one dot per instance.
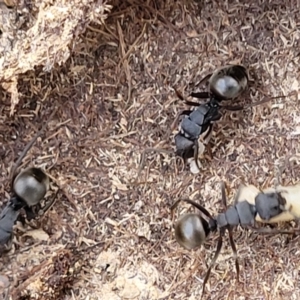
[200, 95]
[216, 117]
[224, 198]
[7, 245]
[196, 153]
[264, 101]
[219, 246]
[274, 231]
[7, 294]
[239, 107]
[208, 134]
[204, 79]
[208, 148]
[30, 215]
[179, 95]
[206, 138]
[48, 205]
[193, 160]
[185, 112]
[192, 103]
[234, 253]
[232, 108]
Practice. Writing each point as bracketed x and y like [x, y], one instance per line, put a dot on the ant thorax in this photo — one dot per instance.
[185, 134]
[182, 131]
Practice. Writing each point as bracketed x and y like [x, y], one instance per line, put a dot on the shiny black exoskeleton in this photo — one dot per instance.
[29, 188]
[8, 217]
[225, 83]
[192, 230]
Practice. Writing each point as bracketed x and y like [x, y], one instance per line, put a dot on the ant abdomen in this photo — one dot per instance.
[190, 231]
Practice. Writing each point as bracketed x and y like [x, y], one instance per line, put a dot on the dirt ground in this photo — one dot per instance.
[114, 98]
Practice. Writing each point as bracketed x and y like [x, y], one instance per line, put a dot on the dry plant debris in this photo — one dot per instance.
[50, 278]
[116, 98]
[41, 33]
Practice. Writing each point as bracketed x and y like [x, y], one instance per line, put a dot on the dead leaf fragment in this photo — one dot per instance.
[37, 234]
[4, 281]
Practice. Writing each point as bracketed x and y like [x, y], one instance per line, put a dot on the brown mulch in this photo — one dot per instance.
[114, 98]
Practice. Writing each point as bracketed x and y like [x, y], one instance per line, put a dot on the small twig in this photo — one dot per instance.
[142, 163]
[77, 251]
[156, 12]
[124, 60]
[30, 144]
[49, 204]
[67, 195]
[126, 55]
